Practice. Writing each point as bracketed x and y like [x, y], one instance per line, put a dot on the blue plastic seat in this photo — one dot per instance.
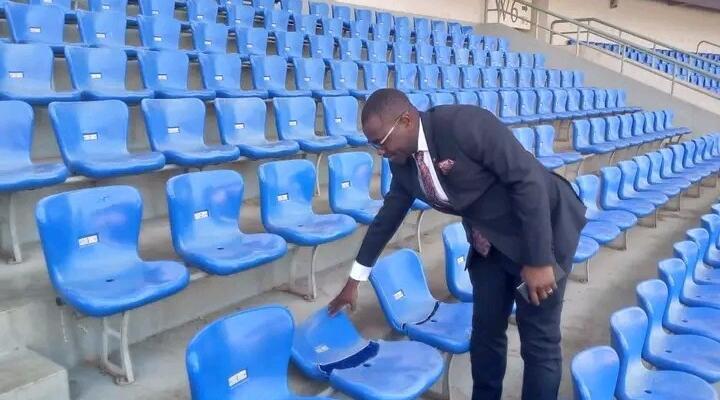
[286, 191]
[429, 78]
[582, 139]
[385, 17]
[470, 77]
[269, 73]
[361, 368]
[544, 140]
[375, 76]
[612, 133]
[566, 78]
[469, 98]
[166, 73]
[344, 13]
[319, 9]
[554, 78]
[601, 102]
[578, 79]
[289, 44]
[240, 16]
[209, 37]
[442, 55]
[203, 211]
[628, 328]
[405, 77]
[307, 25]
[438, 99]
[349, 186]
[241, 122]
[528, 106]
[104, 29]
[595, 373]
[222, 73]
[695, 354]
[638, 129]
[461, 56]
[672, 165]
[508, 78]
[598, 134]
[360, 29]
[322, 46]
[625, 124]
[160, 33]
[262, 5]
[294, 7]
[36, 24]
[589, 186]
[480, 57]
[545, 101]
[422, 29]
[661, 171]
[344, 76]
[450, 78]
[679, 318]
[79, 227]
[560, 102]
[512, 59]
[645, 181]
[526, 137]
[377, 51]
[295, 120]
[539, 77]
[490, 78]
[17, 170]
[574, 103]
[224, 357]
[710, 223]
[332, 27]
[276, 20]
[251, 42]
[202, 10]
[108, 5]
[682, 164]
[310, 76]
[524, 77]
[509, 107]
[26, 73]
[610, 195]
[175, 127]
[100, 74]
[690, 154]
[421, 101]
[162, 8]
[456, 251]
[410, 308]
[363, 14]
[489, 100]
[627, 191]
[693, 294]
[93, 136]
[586, 249]
[340, 116]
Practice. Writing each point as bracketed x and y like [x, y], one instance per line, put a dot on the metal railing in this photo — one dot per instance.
[505, 9]
[702, 42]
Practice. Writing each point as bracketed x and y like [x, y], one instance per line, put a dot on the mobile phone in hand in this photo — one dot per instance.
[523, 289]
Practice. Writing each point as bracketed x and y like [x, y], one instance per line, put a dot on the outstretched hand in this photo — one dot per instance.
[346, 298]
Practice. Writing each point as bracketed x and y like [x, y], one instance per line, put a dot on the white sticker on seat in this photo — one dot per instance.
[292, 122]
[47, 1]
[461, 260]
[338, 120]
[105, 6]
[306, 79]
[16, 74]
[208, 43]
[173, 129]
[372, 80]
[266, 77]
[345, 184]
[283, 197]
[287, 48]
[96, 75]
[90, 136]
[321, 348]
[100, 35]
[347, 53]
[237, 378]
[199, 17]
[162, 77]
[200, 215]
[34, 29]
[240, 125]
[155, 12]
[218, 77]
[157, 38]
[399, 295]
[273, 25]
[342, 80]
[87, 240]
[249, 45]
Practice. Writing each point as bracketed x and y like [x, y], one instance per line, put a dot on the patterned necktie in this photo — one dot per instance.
[480, 243]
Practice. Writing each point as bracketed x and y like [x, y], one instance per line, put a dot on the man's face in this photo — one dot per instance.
[394, 139]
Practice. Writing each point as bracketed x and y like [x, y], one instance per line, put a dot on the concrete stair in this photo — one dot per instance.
[26, 375]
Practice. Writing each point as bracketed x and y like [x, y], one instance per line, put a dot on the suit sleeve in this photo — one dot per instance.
[392, 213]
[492, 144]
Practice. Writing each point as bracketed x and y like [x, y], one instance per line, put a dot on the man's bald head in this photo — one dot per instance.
[385, 104]
[392, 122]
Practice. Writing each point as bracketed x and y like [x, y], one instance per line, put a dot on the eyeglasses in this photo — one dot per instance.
[378, 144]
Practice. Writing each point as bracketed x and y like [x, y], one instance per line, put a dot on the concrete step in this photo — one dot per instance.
[26, 375]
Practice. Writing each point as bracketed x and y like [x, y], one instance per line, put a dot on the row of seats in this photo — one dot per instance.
[674, 330]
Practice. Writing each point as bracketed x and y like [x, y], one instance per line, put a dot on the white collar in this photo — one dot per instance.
[422, 140]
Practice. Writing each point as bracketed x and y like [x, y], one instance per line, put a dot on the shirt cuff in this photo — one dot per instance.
[360, 272]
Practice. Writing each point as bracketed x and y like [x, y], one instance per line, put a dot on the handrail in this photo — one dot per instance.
[697, 49]
[585, 28]
[655, 43]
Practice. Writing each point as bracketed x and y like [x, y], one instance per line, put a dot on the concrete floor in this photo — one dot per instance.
[160, 366]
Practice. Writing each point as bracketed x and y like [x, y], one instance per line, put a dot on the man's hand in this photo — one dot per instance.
[540, 282]
[347, 297]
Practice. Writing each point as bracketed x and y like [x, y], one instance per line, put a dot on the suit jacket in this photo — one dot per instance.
[528, 213]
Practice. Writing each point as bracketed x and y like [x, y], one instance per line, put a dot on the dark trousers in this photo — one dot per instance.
[539, 327]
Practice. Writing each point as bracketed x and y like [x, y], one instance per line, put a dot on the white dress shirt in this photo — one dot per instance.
[360, 272]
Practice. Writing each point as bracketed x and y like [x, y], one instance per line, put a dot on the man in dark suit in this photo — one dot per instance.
[522, 221]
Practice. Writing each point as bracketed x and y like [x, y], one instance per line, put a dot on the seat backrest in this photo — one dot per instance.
[340, 115]
[450, 76]
[209, 37]
[466, 97]
[461, 56]
[629, 174]
[649, 122]
[443, 54]
[269, 72]
[35, 23]
[323, 343]
[441, 98]
[554, 78]
[402, 51]
[589, 186]
[119, 6]
[384, 17]
[422, 29]
[159, 32]
[93, 68]
[276, 20]
[456, 250]
[79, 227]
[161, 8]
[319, 9]
[164, 69]
[286, 191]
[497, 59]
[490, 43]
[600, 99]
[566, 78]
[251, 41]
[101, 28]
[544, 140]
[402, 29]
[578, 79]
[174, 124]
[377, 50]
[524, 76]
[628, 329]
[360, 29]
[659, 116]
[573, 100]
[626, 126]
[294, 117]
[375, 75]
[420, 101]
[687, 251]
[240, 120]
[652, 297]
[598, 128]
[689, 150]
[490, 78]
[595, 373]
[672, 273]
[610, 185]
[15, 134]
[202, 10]
[711, 224]
[587, 99]
[612, 128]
[322, 46]
[540, 77]
[344, 13]
[242, 355]
[429, 75]
[221, 71]
[349, 176]
[638, 124]
[509, 103]
[676, 153]
[526, 137]
[309, 73]
[289, 44]
[612, 96]
[508, 77]
[480, 57]
[350, 49]
[527, 60]
[24, 66]
[405, 76]
[306, 24]
[203, 207]
[294, 7]
[344, 75]
[512, 60]
[643, 171]
[363, 14]
[580, 134]
[470, 77]
[423, 53]
[332, 27]
[89, 130]
[241, 16]
[560, 100]
[402, 290]
[489, 100]
[528, 102]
